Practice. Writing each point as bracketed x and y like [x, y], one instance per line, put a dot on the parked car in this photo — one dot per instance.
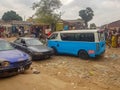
[12, 61]
[33, 47]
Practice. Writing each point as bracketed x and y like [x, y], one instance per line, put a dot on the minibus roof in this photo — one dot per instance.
[81, 31]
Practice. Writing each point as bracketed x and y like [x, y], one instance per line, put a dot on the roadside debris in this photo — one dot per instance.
[34, 70]
[112, 56]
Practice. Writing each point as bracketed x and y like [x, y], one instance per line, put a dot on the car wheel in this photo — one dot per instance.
[83, 54]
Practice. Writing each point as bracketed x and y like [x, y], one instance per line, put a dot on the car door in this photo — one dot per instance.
[23, 45]
[17, 43]
[66, 45]
[20, 44]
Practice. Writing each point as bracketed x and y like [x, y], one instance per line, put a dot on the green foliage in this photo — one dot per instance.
[92, 26]
[11, 15]
[47, 11]
[46, 6]
[86, 15]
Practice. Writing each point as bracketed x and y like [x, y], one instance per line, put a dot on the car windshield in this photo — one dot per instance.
[5, 46]
[31, 42]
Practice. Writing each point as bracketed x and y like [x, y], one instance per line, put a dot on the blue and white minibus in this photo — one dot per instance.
[82, 43]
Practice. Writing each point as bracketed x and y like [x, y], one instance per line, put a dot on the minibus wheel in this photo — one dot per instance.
[83, 54]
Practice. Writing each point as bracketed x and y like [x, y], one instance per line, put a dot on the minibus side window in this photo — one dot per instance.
[63, 36]
[89, 37]
[67, 36]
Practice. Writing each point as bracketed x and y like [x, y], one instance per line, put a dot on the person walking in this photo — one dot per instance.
[118, 39]
[114, 40]
[109, 37]
[19, 31]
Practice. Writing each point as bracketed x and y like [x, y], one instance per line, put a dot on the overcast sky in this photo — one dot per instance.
[105, 11]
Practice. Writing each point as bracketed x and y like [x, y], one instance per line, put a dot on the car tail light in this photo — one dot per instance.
[91, 52]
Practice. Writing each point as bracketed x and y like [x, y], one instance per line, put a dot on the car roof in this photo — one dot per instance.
[26, 38]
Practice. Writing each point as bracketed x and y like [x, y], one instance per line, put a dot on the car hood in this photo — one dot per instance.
[13, 56]
[40, 48]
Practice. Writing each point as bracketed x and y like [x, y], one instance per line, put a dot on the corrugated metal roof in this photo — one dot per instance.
[114, 24]
[15, 23]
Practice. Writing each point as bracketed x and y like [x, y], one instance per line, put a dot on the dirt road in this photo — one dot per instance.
[64, 72]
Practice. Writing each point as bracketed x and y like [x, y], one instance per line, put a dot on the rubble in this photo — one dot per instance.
[34, 70]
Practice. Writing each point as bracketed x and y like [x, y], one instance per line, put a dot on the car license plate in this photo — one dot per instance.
[21, 69]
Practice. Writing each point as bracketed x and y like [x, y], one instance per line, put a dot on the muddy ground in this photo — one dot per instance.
[64, 72]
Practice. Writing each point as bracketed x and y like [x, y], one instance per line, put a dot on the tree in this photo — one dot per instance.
[92, 26]
[46, 12]
[11, 15]
[86, 15]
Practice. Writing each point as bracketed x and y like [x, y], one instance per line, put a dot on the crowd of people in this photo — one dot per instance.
[11, 31]
[113, 38]
[18, 31]
[34, 31]
[4, 32]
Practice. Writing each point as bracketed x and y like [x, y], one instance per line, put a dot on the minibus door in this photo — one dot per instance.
[63, 46]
